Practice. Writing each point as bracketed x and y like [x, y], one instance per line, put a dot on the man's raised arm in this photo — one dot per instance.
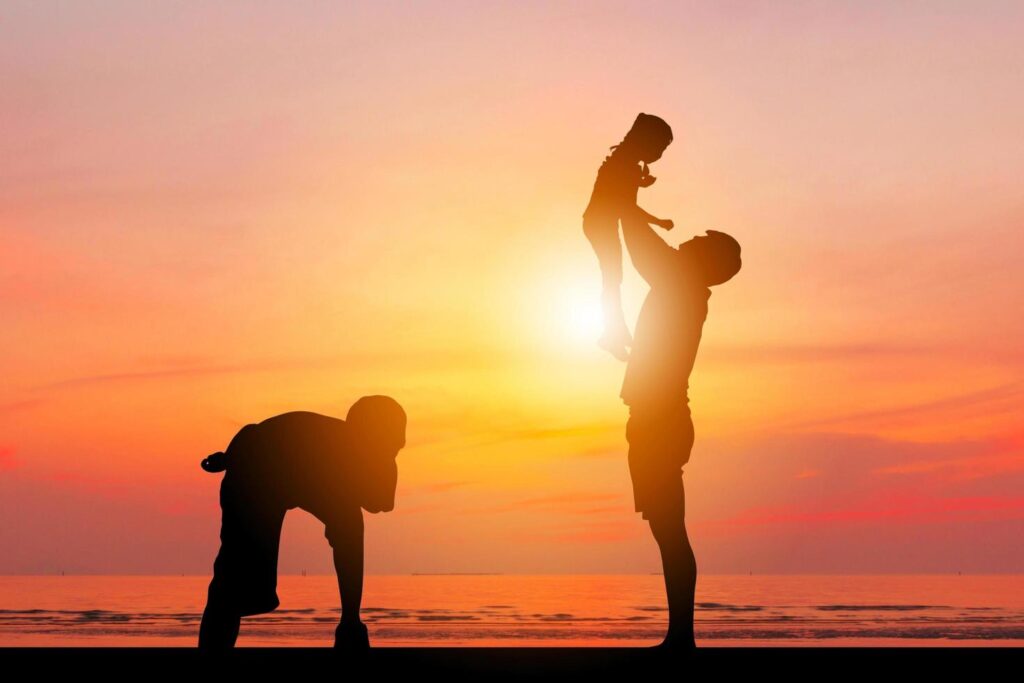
[651, 256]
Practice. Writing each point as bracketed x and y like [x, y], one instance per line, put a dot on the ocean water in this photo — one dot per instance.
[513, 610]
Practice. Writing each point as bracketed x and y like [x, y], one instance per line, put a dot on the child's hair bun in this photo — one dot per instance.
[649, 126]
[647, 130]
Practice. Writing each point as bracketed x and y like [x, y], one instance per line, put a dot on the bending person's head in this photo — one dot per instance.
[377, 428]
[378, 424]
[715, 256]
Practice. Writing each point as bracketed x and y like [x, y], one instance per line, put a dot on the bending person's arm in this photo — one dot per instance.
[653, 258]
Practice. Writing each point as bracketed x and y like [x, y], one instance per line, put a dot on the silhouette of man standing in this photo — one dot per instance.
[329, 467]
[660, 430]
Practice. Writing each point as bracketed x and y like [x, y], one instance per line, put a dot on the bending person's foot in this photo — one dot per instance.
[352, 637]
[677, 641]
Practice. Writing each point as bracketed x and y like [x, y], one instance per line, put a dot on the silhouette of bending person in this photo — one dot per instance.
[329, 467]
[660, 430]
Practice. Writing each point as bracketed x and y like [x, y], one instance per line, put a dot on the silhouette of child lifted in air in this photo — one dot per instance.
[329, 467]
[619, 178]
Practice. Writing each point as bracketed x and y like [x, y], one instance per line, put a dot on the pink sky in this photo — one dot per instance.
[213, 214]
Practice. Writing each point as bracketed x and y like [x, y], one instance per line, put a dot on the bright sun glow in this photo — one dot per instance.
[567, 310]
[582, 317]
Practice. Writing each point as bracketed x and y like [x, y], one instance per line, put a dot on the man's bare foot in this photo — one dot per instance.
[677, 642]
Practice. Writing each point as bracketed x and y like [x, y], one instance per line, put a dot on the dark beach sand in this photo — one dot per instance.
[477, 663]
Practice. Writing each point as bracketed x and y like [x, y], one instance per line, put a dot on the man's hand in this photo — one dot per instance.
[653, 258]
[647, 180]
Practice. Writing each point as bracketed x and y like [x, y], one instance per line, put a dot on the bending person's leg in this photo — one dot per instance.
[219, 628]
[245, 569]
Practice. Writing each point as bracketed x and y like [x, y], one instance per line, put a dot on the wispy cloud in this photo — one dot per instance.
[175, 367]
[438, 487]
[927, 511]
[810, 353]
[572, 501]
[169, 373]
[999, 398]
[499, 435]
[15, 406]
[8, 460]
[843, 354]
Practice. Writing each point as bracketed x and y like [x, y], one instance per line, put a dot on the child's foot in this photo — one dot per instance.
[616, 343]
[665, 223]
[617, 350]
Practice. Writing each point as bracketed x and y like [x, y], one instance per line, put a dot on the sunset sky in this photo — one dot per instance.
[211, 213]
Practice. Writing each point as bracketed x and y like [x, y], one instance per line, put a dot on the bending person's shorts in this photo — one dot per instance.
[660, 439]
[245, 570]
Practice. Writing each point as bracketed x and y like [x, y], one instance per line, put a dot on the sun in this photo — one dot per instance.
[566, 311]
[582, 319]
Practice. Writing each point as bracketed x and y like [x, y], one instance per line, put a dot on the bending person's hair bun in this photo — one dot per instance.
[217, 462]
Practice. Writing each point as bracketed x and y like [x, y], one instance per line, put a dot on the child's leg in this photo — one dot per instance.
[604, 238]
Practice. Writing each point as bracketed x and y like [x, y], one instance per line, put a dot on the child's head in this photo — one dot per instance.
[648, 138]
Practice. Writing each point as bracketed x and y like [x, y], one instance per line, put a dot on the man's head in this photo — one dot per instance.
[377, 428]
[715, 256]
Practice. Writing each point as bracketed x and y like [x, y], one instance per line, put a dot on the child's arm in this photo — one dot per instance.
[646, 180]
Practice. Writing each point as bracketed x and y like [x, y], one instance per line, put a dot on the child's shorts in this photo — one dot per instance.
[659, 440]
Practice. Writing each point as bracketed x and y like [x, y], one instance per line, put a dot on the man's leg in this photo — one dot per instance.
[680, 570]
[346, 538]
[659, 446]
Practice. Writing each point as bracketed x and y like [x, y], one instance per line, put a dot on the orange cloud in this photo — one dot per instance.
[7, 459]
[917, 510]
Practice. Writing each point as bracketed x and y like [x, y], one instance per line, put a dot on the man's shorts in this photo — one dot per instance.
[245, 571]
[660, 439]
